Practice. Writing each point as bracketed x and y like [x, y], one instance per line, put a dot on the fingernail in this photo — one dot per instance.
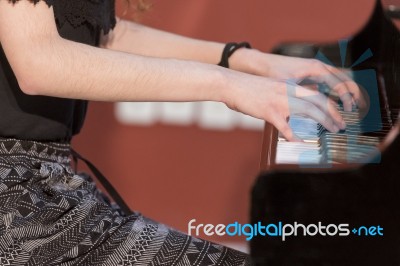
[335, 128]
[297, 138]
[343, 125]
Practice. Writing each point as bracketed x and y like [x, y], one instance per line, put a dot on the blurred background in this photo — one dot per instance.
[177, 162]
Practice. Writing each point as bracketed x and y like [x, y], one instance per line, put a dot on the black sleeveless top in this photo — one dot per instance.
[48, 118]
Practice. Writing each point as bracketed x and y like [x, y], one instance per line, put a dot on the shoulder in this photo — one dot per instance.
[26, 19]
[24, 29]
[97, 13]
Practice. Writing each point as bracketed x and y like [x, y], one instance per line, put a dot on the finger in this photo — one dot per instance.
[338, 83]
[283, 127]
[354, 89]
[302, 107]
[338, 87]
[325, 104]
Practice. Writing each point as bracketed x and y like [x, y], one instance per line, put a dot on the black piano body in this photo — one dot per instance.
[358, 197]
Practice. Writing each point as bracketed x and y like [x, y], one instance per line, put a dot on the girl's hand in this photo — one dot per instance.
[274, 101]
[297, 69]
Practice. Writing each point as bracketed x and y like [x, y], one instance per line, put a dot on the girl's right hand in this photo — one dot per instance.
[275, 101]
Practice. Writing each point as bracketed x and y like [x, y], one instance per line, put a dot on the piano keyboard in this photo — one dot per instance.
[356, 144]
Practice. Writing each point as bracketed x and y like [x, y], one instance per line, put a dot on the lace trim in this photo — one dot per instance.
[98, 13]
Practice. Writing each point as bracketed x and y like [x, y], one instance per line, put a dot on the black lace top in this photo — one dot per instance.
[48, 118]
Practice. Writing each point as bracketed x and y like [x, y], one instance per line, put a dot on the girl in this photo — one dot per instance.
[56, 56]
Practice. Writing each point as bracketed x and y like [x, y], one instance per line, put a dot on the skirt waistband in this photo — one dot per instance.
[46, 151]
[54, 160]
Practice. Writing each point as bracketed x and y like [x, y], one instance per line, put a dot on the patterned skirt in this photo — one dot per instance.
[50, 215]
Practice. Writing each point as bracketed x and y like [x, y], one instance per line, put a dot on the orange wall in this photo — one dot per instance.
[174, 174]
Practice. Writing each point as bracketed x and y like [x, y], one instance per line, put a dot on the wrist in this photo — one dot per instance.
[232, 84]
[216, 87]
[249, 61]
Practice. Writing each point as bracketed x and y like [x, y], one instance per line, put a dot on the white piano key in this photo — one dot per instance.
[297, 153]
[307, 152]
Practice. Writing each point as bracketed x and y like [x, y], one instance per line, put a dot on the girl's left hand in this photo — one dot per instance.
[297, 69]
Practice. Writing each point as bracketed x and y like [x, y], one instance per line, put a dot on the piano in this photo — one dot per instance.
[349, 178]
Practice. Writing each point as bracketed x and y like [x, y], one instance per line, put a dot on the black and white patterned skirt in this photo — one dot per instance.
[50, 215]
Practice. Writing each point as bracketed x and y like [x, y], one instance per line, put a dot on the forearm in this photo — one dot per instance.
[68, 69]
[46, 64]
[135, 38]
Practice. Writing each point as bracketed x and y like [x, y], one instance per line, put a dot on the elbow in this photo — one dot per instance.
[28, 86]
[34, 61]
[29, 76]
[34, 68]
